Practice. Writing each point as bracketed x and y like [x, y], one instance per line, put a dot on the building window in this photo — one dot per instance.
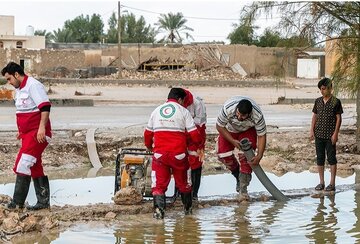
[19, 44]
[1, 44]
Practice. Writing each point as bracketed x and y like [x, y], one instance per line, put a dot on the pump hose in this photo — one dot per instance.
[259, 172]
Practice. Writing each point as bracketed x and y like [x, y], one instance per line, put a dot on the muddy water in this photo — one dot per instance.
[304, 219]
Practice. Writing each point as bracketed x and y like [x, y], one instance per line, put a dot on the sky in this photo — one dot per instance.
[211, 20]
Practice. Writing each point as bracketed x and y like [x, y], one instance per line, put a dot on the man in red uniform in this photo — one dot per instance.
[197, 109]
[166, 135]
[34, 131]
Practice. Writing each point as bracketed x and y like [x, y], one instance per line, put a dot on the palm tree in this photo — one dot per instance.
[173, 25]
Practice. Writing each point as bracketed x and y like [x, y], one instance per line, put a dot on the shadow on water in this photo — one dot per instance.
[317, 218]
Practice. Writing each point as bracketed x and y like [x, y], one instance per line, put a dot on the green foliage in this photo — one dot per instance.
[242, 34]
[82, 29]
[112, 34]
[269, 38]
[63, 35]
[174, 27]
[132, 30]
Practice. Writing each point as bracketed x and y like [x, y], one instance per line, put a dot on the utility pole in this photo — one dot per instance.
[119, 43]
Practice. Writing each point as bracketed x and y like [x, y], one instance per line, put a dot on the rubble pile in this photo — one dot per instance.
[14, 223]
[216, 73]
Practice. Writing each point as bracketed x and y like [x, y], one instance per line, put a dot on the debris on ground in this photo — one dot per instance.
[128, 196]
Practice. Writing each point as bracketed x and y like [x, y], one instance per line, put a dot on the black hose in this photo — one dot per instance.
[259, 172]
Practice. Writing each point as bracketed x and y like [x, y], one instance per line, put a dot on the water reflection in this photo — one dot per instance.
[355, 231]
[324, 223]
[301, 220]
[243, 225]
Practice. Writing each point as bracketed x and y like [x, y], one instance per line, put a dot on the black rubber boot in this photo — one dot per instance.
[159, 206]
[42, 190]
[236, 174]
[186, 199]
[196, 180]
[21, 190]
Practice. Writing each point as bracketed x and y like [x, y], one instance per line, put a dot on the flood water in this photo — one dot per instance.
[328, 219]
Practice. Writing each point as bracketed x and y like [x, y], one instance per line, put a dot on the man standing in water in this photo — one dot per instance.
[34, 131]
[239, 118]
[166, 135]
[197, 109]
[325, 127]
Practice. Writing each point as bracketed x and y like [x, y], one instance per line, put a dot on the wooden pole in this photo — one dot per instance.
[119, 43]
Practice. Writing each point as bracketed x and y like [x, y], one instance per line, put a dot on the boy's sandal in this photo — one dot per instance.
[320, 187]
[330, 188]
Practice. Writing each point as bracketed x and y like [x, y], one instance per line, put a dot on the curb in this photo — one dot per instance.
[57, 103]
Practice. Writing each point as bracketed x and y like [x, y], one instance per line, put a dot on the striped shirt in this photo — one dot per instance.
[227, 117]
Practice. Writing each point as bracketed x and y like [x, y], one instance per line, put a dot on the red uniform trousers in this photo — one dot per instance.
[28, 161]
[226, 154]
[163, 166]
[194, 160]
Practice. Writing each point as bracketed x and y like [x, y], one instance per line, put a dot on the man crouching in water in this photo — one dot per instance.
[239, 118]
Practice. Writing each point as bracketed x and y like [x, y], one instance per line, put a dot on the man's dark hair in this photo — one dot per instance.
[11, 68]
[324, 82]
[244, 106]
[176, 93]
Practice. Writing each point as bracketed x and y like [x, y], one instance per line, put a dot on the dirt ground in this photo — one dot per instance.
[287, 151]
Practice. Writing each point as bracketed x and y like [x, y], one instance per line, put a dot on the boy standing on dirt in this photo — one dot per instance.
[34, 131]
[196, 107]
[325, 127]
[166, 135]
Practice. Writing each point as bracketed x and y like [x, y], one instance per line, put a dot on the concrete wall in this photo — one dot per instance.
[41, 61]
[6, 25]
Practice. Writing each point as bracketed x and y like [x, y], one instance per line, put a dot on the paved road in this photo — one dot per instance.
[130, 115]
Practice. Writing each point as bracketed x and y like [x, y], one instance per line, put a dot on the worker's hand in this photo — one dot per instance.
[255, 160]
[149, 149]
[41, 138]
[236, 143]
[201, 154]
[18, 137]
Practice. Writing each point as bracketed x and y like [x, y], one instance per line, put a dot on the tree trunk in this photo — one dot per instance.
[358, 96]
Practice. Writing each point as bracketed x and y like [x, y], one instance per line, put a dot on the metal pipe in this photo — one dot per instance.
[259, 172]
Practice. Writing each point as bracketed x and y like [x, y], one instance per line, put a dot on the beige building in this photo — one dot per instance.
[9, 40]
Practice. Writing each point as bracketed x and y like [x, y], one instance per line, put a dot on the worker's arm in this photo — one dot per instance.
[261, 144]
[41, 137]
[226, 134]
[148, 139]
